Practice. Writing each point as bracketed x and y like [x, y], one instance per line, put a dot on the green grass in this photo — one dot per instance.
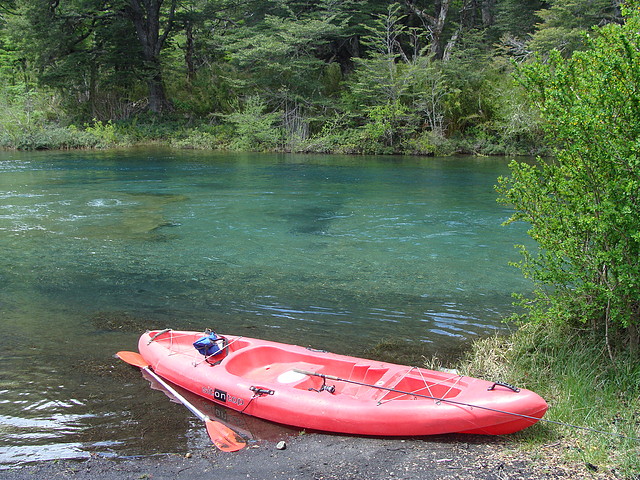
[583, 386]
[52, 137]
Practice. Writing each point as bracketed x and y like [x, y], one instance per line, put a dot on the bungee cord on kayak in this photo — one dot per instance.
[417, 393]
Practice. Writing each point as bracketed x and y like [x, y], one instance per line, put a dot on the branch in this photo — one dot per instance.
[8, 7]
[421, 14]
[170, 23]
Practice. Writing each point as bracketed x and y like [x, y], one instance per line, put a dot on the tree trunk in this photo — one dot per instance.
[145, 15]
[633, 339]
[188, 53]
[158, 102]
[446, 55]
[435, 24]
[442, 8]
[488, 12]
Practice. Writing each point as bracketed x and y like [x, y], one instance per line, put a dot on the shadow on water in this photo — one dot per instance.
[312, 220]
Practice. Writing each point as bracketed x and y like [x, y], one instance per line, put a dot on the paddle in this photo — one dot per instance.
[222, 436]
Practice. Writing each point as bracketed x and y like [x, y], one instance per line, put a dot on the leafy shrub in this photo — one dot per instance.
[106, 134]
[429, 143]
[202, 138]
[583, 204]
[256, 128]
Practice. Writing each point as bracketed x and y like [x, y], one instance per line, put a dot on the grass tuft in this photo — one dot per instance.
[583, 386]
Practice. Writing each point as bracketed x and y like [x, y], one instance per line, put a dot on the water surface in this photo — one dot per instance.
[339, 253]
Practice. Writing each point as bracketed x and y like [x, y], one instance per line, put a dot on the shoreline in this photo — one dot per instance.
[317, 456]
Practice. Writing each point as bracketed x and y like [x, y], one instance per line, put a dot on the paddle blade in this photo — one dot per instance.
[224, 438]
[132, 358]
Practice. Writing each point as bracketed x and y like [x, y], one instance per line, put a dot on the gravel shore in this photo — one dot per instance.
[324, 457]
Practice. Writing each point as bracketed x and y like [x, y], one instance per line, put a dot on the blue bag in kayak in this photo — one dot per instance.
[209, 344]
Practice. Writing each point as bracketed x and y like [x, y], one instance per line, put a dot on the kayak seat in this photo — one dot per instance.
[276, 366]
[271, 365]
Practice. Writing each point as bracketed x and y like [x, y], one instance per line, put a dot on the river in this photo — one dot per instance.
[339, 253]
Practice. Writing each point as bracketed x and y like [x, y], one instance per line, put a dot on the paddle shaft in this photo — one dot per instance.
[173, 392]
[222, 436]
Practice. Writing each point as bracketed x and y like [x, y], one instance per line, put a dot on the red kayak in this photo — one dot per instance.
[317, 390]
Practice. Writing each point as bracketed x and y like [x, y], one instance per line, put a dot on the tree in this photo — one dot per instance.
[153, 21]
[515, 22]
[584, 204]
[518, 17]
[88, 47]
[433, 24]
[9, 58]
[565, 21]
[82, 49]
[280, 57]
[381, 80]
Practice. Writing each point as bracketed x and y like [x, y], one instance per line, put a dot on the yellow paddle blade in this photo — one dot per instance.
[132, 358]
[223, 437]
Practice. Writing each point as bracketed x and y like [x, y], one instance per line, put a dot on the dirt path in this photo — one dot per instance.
[325, 457]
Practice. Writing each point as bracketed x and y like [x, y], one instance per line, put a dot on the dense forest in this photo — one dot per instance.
[352, 76]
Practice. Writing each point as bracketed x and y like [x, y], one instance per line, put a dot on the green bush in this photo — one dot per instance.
[256, 129]
[203, 138]
[582, 205]
[106, 134]
[50, 138]
[429, 143]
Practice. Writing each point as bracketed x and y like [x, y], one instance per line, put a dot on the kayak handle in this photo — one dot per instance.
[161, 332]
[503, 384]
[316, 350]
[257, 391]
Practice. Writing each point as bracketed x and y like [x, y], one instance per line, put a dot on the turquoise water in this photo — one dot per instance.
[338, 253]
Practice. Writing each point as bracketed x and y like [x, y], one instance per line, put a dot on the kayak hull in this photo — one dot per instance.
[283, 383]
